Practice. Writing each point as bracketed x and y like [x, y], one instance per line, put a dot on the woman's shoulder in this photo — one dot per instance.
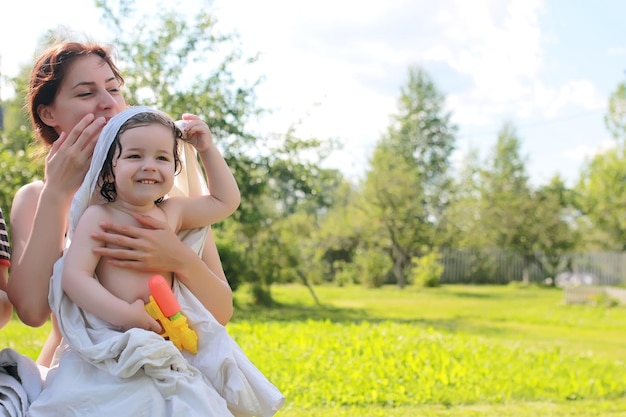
[35, 186]
[28, 192]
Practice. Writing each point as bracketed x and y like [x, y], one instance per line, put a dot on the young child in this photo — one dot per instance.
[136, 176]
[100, 308]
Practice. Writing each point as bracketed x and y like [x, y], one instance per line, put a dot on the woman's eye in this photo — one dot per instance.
[85, 94]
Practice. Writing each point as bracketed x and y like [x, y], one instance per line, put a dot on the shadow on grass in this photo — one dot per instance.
[464, 294]
[300, 313]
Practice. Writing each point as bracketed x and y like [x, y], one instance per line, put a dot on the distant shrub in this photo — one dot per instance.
[427, 270]
[374, 267]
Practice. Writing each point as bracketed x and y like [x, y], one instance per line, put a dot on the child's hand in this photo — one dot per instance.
[139, 317]
[197, 132]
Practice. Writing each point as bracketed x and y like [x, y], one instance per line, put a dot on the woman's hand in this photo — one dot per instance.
[152, 248]
[155, 248]
[70, 155]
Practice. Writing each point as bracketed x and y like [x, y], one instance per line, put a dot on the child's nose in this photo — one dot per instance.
[149, 165]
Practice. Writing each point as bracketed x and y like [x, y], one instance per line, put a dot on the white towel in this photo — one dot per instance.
[101, 371]
[20, 383]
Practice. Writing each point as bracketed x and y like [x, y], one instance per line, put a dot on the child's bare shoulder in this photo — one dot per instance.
[96, 212]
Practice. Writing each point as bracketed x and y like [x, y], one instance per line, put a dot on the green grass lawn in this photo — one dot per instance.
[449, 351]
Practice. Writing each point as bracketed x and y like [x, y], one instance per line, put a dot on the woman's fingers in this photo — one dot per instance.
[89, 135]
[84, 135]
[152, 247]
[150, 222]
[116, 229]
[74, 135]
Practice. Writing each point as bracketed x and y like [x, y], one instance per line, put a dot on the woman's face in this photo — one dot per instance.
[89, 86]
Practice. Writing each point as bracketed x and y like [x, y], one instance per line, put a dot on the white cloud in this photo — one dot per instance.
[585, 152]
[574, 93]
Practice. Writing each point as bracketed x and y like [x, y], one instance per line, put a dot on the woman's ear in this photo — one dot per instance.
[46, 115]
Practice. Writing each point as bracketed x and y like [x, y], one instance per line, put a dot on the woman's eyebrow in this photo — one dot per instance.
[90, 83]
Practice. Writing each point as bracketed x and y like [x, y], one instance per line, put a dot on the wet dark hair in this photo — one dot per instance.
[107, 177]
[48, 74]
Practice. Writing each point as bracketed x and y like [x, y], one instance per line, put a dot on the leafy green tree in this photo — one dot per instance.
[182, 64]
[16, 169]
[407, 186]
[615, 119]
[339, 237]
[296, 193]
[17, 127]
[463, 226]
[507, 213]
[532, 223]
[601, 189]
[20, 160]
[601, 197]
[555, 217]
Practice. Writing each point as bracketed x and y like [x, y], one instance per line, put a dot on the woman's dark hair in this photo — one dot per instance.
[107, 177]
[48, 74]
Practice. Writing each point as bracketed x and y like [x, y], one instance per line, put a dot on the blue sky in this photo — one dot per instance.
[337, 66]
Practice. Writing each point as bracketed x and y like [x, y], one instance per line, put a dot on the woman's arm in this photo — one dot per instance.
[38, 223]
[39, 218]
[51, 344]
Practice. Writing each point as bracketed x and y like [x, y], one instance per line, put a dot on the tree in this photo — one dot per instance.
[615, 119]
[507, 213]
[555, 215]
[182, 64]
[519, 219]
[407, 186]
[297, 191]
[463, 227]
[20, 160]
[601, 197]
[338, 238]
[17, 127]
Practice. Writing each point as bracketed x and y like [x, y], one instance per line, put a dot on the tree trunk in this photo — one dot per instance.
[398, 266]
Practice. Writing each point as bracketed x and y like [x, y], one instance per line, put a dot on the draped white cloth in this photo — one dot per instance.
[101, 371]
[20, 383]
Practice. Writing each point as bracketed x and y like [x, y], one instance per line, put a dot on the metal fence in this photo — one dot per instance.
[500, 267]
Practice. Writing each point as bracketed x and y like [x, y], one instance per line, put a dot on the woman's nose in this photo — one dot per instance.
[107, 101]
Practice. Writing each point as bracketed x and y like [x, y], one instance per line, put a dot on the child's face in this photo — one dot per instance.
[144, 170]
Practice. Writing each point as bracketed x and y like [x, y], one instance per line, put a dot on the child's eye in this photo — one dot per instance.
[133, 156]
[163, 158]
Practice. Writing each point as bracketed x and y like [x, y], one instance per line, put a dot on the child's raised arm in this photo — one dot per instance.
[224, 195]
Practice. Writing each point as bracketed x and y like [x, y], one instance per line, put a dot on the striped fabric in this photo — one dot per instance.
[5, 249]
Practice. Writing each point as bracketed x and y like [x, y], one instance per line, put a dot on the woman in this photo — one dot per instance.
[74, 90]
